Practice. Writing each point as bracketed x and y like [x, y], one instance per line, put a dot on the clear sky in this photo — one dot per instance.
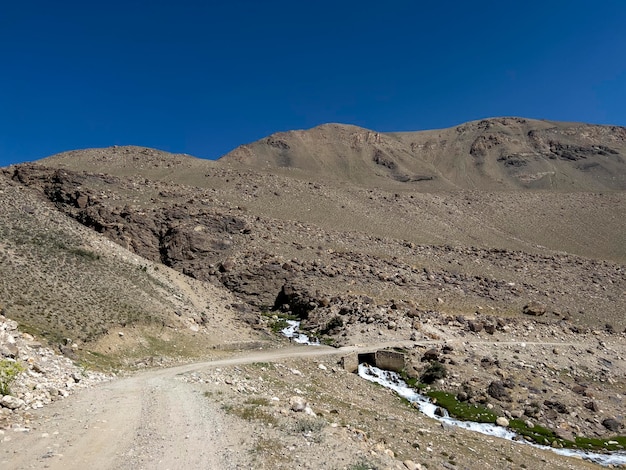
[202, 77]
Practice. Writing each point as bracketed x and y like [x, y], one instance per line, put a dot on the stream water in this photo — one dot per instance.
[393, 381]
[292, 332]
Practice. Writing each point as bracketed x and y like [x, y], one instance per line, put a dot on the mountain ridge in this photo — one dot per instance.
[495, 154]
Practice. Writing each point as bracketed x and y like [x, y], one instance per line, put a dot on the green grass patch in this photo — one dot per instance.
[278, 321]
[537, 433]
[544, 436]
[461, 410]
[616, 443]
[262, 365]
[100, 362]
[412, 382]
[278, 325]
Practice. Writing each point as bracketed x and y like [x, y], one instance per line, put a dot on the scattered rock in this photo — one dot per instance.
[497, 390]
[297, 404]
[534, 308]
[430, 355]
[502, 421]
[11, 402]
[611, 424]
[410, 465]
[556, 406]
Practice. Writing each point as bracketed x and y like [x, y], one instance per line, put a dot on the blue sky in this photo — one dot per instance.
[202, 77]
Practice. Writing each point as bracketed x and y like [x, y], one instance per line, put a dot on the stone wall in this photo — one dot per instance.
[390, 360]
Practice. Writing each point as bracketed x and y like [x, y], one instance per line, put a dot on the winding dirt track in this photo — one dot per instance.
[149, 420]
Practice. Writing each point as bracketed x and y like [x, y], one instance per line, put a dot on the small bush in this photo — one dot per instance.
[251, 413]
[309, 425]
[9, 370]
[435, 371]
[258, 401]
[86, 254]
[363, 464]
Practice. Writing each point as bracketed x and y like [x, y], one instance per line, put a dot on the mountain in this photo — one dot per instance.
[426, 216]
[491, 257]
[492, 154]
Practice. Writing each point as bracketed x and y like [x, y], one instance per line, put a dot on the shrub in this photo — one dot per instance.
[9, 370]
[435, 371]
[306, 425]
[335, 322]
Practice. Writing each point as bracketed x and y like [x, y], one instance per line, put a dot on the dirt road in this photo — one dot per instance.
[149, 420]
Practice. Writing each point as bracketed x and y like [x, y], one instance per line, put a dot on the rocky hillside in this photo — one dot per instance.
[315, 272]
[281, 224]
[492, 154]
[69, 285]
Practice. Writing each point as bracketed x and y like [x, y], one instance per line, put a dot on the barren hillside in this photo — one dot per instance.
[492, 154]
[92, 298]
[494, 250]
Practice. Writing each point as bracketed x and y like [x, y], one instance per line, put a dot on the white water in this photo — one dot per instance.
[393, 381]
[292, 332]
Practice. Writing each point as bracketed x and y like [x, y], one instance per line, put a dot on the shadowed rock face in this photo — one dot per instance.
[188, 238]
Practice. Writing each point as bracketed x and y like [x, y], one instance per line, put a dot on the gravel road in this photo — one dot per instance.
[149, 420]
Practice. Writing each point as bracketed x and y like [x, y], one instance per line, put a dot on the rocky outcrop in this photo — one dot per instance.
[46, 377]
[190, 238]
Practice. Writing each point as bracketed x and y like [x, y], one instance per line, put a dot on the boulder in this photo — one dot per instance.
[535, 309]
[297, 404]
[9, 350]
[565, 434]
[410, 465]
[430, 355]
[556, 406]
[502, 421]
[11, 402]
[497, 390]
[611, 424]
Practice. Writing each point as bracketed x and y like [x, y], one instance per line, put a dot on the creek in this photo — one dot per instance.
[393, 381]
[292, 332]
